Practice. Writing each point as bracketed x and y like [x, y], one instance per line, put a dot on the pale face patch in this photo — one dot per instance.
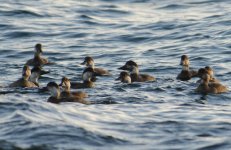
[185, 62]
[34, 77]
[127, 79]
[67, 84]
[54, 91]
[185, 68]
[134, 70]
[90, 64]
[87, 76]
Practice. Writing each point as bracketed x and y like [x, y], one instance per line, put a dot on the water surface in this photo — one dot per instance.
[166, 114]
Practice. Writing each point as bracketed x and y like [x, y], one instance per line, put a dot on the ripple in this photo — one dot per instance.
[174, 6]
[155, 34]
[21, 13]
[222, 145]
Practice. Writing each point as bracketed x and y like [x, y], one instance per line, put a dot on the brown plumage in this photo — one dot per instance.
[82, 85]
[132, 67]
[88, 76]
[205, 87]
[124, 77]
[57, 98]
[89, 62]
[186, 74]
[66, 84]
[24, 81]
[209, 71]
[37, 60]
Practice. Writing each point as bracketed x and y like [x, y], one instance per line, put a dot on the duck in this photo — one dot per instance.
[66, 85]
[89, 62]
[35, 74]
[209, 71]
[124, 77]
[186, 74]
[37, 60]
[24, 81]
[88, 77]
[207, 87]
[132, 67]
[56, 97]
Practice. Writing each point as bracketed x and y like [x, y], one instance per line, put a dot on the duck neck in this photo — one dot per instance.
[205, 82]
[67, 88]
[37, 55]
[185, 68]
[25, 78]
[90, 64]
[126, 79]
[87, 77]
[34, 77]
[55, 93]
[134, 70]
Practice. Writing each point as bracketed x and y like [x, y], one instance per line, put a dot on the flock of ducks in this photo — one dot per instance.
[62, 92]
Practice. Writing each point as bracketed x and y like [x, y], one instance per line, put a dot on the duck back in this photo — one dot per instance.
[219, 87]
[78, 85]
[141, 77]
[184, 75]
[22, 83]
[101, 72]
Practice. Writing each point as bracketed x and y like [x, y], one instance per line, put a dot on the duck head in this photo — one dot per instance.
[54, 90]
[89, 75]
[184, 60]
[38, 49]
[88, 61]
[124, 77]
[65, 83]
[210, 71]
[130, 65]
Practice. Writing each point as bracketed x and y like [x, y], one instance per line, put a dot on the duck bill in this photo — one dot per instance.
[181, 63]
[39, 51]
[61, 85]
[93, 79]
[117, 79]
[83, 63]
[124, 68]
[44, 72]
[24, 74]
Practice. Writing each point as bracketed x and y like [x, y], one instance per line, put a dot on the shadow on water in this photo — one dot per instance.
[202, 100]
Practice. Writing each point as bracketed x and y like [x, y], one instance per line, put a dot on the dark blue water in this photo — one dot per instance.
[166, 114]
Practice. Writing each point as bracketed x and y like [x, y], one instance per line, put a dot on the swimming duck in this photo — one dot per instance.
[88, 77]
[207, 70]
[37, 60]
[66, 84]
[54, 89]
[89, 62]
[186, 74]
[24, 81]
[206, 87]
[35, 74]
[211, 73]
[124, 77]
[132, 67]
